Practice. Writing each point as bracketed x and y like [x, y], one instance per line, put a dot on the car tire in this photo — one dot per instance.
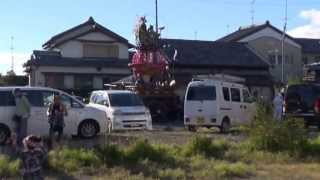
[4, 134]
[225, 126]
[192, 128]
[88, 129]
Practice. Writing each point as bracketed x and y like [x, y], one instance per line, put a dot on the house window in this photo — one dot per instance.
[100, 50]
[83, 82]
[305, 60]
[54, 81]
[272, 59]
[279, 60]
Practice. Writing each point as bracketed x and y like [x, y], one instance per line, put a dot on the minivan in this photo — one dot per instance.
[125, 109]
[81, 120]
[217, 103]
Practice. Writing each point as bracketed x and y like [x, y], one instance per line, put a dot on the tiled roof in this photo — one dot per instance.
[243, 32]
[49, 58]
[211, 53]
[89, 26]
[309, 45]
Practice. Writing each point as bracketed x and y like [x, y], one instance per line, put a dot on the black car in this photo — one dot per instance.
[303, 101]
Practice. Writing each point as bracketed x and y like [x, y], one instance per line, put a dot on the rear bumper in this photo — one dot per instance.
[132, 125]
[310, 118]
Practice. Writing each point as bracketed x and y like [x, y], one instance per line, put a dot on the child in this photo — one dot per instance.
[33, 156]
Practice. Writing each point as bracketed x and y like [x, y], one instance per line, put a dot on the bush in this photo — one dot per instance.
[271, 135]
[239, 169]
[110, 154]
[72, 159]
[205, 146]
[142, 150]
[8, 168]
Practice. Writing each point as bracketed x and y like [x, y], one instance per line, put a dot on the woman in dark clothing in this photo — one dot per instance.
[56, 113]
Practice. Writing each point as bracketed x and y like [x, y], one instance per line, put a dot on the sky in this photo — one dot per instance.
[32, 22]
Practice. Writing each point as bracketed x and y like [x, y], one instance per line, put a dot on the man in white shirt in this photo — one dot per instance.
[277, 106]
[21, 116]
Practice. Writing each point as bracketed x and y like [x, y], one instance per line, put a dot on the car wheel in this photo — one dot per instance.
[192, 128]
[88, 129]
[225, 126]
[4, 135]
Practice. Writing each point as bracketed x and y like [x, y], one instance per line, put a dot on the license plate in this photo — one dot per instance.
[135, 125]
[200, 120]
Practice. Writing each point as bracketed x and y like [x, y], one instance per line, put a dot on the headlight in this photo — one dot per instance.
[117, 112]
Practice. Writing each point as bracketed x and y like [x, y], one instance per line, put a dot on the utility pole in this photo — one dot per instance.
[12, 57]
[252, 11]
[157, 26]
[283, 41]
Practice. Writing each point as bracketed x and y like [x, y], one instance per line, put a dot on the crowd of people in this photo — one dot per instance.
[30, 147]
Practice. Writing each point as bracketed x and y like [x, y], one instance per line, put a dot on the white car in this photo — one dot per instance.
[125, 109]
[81, 120]
[217, 103]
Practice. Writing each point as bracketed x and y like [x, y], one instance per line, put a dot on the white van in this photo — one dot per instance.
[81, 119]
[217, 103]
[125, 109]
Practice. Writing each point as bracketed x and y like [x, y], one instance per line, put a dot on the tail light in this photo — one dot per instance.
[317, 106]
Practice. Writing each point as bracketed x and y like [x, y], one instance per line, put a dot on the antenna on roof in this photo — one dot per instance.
[252, 11]
[12, 56]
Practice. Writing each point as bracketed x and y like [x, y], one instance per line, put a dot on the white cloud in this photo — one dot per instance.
[19, 59]
[310, 30]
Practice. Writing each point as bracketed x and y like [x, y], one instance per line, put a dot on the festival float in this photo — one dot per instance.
[151, 76]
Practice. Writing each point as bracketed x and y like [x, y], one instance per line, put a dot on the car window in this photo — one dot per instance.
[34, 97]
[6, 98]
[226, 93]
[246, 96]
[235, 95]
[75, 104]
[125, 99]
[47, 97]
[66, 100]
[200, 93]
[93, 98]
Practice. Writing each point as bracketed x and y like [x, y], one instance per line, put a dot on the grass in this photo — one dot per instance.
[272, 150]
[8, 167]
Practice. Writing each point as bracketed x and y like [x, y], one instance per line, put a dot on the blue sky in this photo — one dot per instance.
[32, 22]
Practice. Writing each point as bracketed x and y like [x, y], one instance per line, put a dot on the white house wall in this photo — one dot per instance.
[97, 82]
[74, 48]
[39, 79]
[268, 32]
[96, 36]
[68, 81]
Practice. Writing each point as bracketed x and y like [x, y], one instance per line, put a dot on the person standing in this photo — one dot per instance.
[277, 106]
[21, 116]
[33, 156]
[56, 113]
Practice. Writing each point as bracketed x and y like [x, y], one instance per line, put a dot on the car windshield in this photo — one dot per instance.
[201, 93]
[125, 99]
